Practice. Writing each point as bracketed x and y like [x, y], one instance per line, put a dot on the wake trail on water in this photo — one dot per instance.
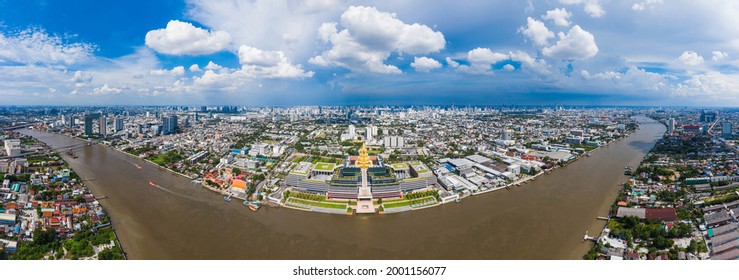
[177, 194]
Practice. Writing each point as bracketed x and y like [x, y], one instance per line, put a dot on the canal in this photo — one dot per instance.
[543, 219]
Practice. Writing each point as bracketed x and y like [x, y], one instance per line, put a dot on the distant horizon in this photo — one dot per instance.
[459, 106]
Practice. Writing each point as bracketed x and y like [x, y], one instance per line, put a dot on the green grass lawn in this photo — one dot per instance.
[324, 166]
[405, 202]
[319, 204]
[402, 203]
[165, 158]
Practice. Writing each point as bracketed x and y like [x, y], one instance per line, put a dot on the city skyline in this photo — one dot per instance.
[256, 53]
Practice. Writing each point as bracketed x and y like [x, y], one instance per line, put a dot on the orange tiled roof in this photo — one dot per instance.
[239, 184]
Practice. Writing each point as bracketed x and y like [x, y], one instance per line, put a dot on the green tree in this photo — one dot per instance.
[110, 254]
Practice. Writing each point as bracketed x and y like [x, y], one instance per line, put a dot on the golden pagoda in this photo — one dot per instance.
[363, 161]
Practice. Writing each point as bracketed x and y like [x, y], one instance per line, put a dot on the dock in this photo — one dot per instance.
[588, 237]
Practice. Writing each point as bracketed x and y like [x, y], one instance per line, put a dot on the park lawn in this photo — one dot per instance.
[399, 165]
[402, 203]
[587, 148]
[319, 204]
[165, 158]
[324, 166]
[423, 200]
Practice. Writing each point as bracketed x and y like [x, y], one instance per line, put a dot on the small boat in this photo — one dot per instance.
[227, 198]
[137, 166]
[153, 183]
[254, 206]
[587, 155]
[458, 200]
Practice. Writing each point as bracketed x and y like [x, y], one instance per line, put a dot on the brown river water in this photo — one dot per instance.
[543, 219]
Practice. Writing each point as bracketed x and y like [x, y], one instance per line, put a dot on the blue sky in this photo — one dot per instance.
[335, 52]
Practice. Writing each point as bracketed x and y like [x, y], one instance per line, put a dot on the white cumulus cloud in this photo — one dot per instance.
[451, 62]
[591, 7]
[481, 60]
[105, 89]
[195, 68]
[80, 79]
[710, 83]
[176, 71]
[691, 58]
[536, 31]
[559, 16]
[576, 44]
[182, 38]
[370, 36]
[269, 64]
[719, 55]
[425, 64]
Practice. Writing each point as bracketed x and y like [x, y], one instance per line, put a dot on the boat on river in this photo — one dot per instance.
[253, 205]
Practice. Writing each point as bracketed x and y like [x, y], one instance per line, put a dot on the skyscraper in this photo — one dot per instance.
[670, 126]
[88, 124]
[369, 133]
[103, 126]
[169, 124]
[118, 123]
[726, 130]
[70, 121]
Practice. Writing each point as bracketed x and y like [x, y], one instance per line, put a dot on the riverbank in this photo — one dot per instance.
[188, 223]
[72, 209]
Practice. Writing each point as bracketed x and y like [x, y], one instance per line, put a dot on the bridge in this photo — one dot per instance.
[59, 149]
[18, 126]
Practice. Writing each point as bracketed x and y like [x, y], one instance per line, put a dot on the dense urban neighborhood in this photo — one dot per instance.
[677, 204]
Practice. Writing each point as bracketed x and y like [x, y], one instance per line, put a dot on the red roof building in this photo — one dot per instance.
[661, 214]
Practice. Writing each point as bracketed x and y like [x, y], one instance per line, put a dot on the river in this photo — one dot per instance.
[543, 219]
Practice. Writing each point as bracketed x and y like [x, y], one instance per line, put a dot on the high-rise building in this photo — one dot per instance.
[670, 126]
[88, 124]
[13, 147]
[70, 121]
[708, 116]
[118, 123]
[169, 124]
[352, 130]
[394, 141]
[103, 126]
[368, 135]
[726, 130]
